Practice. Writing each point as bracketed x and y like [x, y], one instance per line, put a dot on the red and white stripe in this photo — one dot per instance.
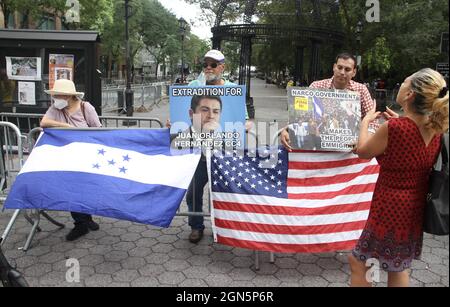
[329, 197]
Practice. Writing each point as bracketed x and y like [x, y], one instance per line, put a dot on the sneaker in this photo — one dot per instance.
[93, 225]
[77, 232]
[195, 236]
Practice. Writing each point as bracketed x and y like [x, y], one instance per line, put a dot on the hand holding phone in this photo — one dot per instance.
[381, 105]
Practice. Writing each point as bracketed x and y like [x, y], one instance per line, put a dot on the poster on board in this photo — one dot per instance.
[60, 67]
[23, 68]
[27, 93]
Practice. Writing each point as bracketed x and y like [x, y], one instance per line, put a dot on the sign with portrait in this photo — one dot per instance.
[209, 116]
[323, 119]
[60, 67]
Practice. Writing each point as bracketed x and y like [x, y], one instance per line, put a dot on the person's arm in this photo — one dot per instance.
[371, 145]
[91, 115]
[285, 139]
[46, 122]
[50, 119]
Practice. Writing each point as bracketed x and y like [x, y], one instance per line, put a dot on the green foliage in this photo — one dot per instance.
[195, 49]
[32, 8]
[379, 57]
[96, 14]
[405, 40]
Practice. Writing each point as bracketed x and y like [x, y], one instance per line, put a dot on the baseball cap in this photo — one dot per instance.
[216, 55]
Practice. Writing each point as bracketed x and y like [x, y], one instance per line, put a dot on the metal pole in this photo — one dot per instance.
[128, 90]
[182, 57]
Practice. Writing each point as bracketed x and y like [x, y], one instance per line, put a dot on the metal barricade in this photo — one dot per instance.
[13, 151]
[122, 122]
[26, 122]
[145, 97]
[12, 161]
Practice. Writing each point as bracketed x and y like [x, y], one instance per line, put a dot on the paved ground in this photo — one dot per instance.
[127, 254]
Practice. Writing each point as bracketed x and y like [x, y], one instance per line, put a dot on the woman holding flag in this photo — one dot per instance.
[68, 110]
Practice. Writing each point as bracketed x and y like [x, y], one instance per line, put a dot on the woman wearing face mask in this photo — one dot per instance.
[69, 110]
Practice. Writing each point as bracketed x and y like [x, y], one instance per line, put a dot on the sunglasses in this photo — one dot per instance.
[212, 65]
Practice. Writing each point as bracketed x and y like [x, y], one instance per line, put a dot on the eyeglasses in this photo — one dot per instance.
[212, 65]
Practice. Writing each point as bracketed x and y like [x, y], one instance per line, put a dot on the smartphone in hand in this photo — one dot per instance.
[381, 105]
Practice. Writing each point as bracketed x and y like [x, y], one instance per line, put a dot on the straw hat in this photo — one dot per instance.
[64, 87]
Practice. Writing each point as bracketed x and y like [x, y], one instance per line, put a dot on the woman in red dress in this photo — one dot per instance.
[406, 149]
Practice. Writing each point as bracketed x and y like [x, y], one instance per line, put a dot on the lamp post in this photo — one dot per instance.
[359, 28]
[128, 90]
[182, 27]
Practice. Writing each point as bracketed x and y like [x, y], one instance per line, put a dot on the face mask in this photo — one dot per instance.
[60, 103]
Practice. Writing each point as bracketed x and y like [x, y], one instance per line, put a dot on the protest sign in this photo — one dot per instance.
[323, 119]
[209, 116]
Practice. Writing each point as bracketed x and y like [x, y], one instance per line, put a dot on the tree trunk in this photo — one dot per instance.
[58, 23]
[109, 72]
[16, 20]
[2, 18]
[156, 70]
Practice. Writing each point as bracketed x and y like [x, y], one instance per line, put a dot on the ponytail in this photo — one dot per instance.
[431, 98]
[438, 118]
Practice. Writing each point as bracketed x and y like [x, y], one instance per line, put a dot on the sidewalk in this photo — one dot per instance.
[127, 254]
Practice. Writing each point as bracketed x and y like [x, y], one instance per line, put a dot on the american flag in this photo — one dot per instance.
[272, 200]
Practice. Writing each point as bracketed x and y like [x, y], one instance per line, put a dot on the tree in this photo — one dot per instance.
[114, 32]
[159, 31]
[31, 9]
[96, 14]
[195, 49]
[405, 40]
[210, 9]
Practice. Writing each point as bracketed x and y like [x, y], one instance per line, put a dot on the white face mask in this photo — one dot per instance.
[60, 103]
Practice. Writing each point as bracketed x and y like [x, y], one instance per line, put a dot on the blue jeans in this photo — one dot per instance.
[194, 197]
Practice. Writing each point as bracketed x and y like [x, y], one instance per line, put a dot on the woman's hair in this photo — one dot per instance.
[431, 98]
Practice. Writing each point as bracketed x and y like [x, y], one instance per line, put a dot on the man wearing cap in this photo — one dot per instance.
[68, 110]
[213, 68]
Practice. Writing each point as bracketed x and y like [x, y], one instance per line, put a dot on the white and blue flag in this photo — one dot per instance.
[318, 108]
[124, 174]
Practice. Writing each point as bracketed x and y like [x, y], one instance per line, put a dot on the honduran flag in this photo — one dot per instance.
[124, 174]
[318, 108]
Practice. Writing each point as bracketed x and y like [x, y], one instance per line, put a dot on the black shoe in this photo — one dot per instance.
[195, 236]
[93, 225]
[77, 232]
